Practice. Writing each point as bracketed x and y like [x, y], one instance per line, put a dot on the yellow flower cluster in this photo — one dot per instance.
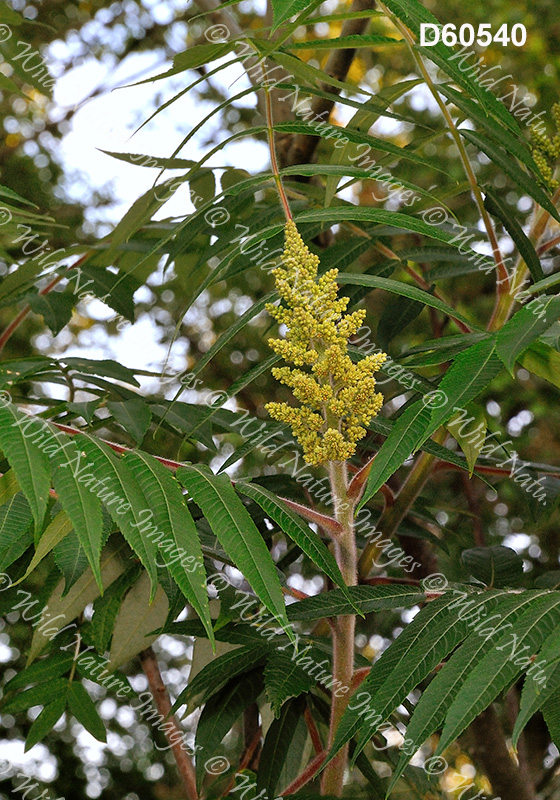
[338, 397]
[546, 151]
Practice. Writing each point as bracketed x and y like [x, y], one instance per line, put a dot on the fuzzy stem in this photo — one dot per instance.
[344, 627]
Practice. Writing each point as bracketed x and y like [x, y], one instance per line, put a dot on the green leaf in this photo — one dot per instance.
[291, 524]
[56, 309]
[535, 695]
[37, 696]
[26, 458]
[364, 598]
[357, 137]
[53, 666]
[505, 214]
[502, 159]
[134, 415]
[45, 722]
[400, 288]
[498, 668]
[8, 486]
[472, 441]
[396, 315]
[106, 608]
[221, 712]
[81, 505]
[71, 560]
[105, 368]
[175, 523]
[284, 678]
[471, 372]
[15, 537]
[277, 744]
[354, 40]
[116, 475]
[494, 566]
[551, 714]
[237, 533]
[284, 9]
[406, 436]
[543, 360]
[137, 618]
[432, 707]
[83, 708]
[158, 162]
[55, 532]
[218, 672]
[525, 326]
[62, 610]
[413, 14]
[431, 635]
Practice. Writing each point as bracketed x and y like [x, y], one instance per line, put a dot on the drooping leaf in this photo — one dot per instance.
[177, 536]
[15, 536]
[137, 618]
[79, 502]
[400, 288]
[45, 722]
[494, 566]
[134, 415]
[122, 497]
[27, 459]
[506, 216]
[62, 610]
[237, 533]
[218, 672]
[291, 524]
[498, 667]
[285, 678]
[277, 744]
[83, 708]
[106, 608]
[435, 701]
[221, 712]
[502, 159]
[473, 439]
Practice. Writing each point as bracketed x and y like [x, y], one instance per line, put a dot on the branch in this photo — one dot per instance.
[175, 735]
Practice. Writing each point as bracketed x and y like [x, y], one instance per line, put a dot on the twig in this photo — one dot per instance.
[173, 732]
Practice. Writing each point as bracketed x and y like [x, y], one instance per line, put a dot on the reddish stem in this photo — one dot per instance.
[313, 732]
[309, 772]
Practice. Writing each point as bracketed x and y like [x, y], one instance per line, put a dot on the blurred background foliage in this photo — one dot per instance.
[72, 35]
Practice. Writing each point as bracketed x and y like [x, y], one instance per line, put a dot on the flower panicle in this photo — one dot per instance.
[337, 396]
